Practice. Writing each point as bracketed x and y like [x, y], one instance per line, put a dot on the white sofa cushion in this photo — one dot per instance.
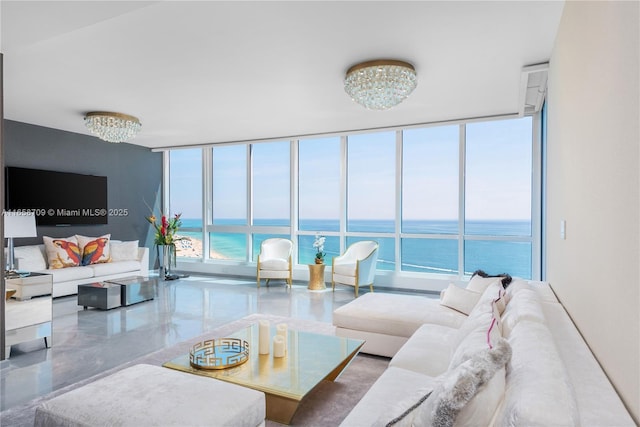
[428, 351]
[460, 299]
[388, 397]
[114, 268]
[274, 264]
[124, 251]
[393, 314]
[538, 391]
[67, 274]
[345, 269]
[525, 306]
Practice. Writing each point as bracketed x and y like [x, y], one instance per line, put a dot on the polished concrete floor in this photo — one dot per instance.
[87, 342]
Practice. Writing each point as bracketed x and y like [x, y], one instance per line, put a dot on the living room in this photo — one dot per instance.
[591, 127]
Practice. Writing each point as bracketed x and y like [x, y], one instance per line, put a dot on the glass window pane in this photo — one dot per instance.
[498, 176]
[496, 257]
[185, 197]
[371, 177]
[438, 256]
[231, 246]
[259, 238]
[430, 180]
[271, 181]
[307, 253]
[386, 251]
[230, 185]
[319, 184]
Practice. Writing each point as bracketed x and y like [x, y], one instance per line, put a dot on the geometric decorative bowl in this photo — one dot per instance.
[221, 353]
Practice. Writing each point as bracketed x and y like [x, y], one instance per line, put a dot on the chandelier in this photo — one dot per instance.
[380, 84]
[112, 127]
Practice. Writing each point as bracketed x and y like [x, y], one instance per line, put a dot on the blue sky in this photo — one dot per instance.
[498, 175]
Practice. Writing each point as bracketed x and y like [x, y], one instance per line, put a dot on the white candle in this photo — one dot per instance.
[281, 330]
[278, 346]
[263, 337]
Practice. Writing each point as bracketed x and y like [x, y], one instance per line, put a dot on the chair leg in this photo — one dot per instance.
[268, 282]
[258, 278]
[356, 288]
[371, 287]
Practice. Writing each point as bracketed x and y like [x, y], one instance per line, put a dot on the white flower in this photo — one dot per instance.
[319, 243]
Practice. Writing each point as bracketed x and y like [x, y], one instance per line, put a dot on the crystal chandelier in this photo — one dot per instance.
[112, 127]
[380, 84]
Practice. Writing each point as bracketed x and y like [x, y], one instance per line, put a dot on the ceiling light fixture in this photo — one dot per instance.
[112, 127]
[380, 84]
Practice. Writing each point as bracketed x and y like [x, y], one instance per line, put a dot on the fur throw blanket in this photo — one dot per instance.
[455, 388]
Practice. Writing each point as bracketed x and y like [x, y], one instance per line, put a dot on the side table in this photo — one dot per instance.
[316, 277]
[102, 295]
[31, 285]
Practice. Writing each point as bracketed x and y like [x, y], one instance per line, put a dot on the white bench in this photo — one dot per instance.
[146, 395]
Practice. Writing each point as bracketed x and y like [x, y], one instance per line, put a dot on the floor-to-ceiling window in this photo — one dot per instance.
[443, 200]
[185, 198]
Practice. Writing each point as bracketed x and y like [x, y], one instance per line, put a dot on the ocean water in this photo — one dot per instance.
[433, 255]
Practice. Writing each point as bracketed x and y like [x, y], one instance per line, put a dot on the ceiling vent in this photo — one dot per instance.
[533, 88]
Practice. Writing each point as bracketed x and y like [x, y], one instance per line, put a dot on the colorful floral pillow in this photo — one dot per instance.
[62, 252]
[95, 250]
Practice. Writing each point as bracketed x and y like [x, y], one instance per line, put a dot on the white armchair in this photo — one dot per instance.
[274, 260]
[357, 266]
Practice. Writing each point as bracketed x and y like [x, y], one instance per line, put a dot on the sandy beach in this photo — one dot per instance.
[189, 247]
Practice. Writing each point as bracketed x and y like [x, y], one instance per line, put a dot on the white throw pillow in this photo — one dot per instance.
[95, 250]
[459, 299]
[124, 251]
[30, 258]
[480, 284]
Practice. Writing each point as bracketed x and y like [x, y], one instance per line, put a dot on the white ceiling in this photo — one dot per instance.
[198, 72]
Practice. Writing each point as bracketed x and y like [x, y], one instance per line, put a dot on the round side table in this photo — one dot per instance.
[316, 277]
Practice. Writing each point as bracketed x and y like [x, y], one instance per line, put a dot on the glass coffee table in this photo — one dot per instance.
[285, 381]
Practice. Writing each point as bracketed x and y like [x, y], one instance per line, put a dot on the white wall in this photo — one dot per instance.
[593, 183]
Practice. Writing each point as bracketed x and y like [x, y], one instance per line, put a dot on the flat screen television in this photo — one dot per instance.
[57, 198]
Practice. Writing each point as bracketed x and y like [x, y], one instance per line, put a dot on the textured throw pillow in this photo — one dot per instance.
[460, 299]
[62, 252]
[505, 279]
[480, 284]
[470, 392]
[124, 251]
[94, 250]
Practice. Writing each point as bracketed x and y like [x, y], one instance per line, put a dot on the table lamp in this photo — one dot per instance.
[18, 224]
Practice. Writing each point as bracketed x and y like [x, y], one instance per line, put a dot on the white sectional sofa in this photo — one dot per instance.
[125, 262]
[550, 378]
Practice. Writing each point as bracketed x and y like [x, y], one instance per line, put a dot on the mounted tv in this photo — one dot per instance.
[57, 198]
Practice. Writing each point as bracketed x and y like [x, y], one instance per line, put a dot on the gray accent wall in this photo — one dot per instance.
[134, 177]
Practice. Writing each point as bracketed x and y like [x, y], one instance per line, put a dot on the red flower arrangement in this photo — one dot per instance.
[166, 230]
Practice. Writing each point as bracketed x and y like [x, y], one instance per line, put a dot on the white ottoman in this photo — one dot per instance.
[146, 395]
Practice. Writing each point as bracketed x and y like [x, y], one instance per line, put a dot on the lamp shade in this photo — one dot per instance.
[19, 224]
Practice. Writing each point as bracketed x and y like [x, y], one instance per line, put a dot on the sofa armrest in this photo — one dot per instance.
[143, 257]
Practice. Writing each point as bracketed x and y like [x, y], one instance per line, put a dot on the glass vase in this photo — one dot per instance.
[168, 261]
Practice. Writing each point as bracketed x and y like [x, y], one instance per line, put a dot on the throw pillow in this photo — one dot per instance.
[460, 299]
[124, 251]
[94, 250]
[30, 258]
[480, 284]
[469, 392]
[62, 252]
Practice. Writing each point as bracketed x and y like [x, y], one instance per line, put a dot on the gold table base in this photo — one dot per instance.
[316, 277]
